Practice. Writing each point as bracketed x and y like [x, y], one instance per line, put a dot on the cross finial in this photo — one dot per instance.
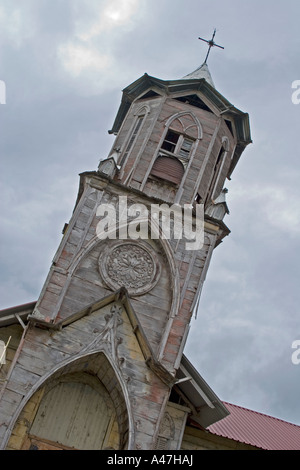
[211, 44]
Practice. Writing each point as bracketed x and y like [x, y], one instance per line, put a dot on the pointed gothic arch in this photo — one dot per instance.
[191, 121]
[85, 392]
[180, 139]
[139, 119]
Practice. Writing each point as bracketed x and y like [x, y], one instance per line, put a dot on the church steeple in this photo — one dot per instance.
[124, 284]
[177, 140]
[201, 72]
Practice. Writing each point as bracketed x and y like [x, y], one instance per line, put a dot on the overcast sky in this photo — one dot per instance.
[64, 64]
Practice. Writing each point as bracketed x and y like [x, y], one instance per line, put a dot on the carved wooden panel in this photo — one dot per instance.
[130, 265]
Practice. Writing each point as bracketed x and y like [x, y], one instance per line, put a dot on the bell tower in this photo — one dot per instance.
[116, 306]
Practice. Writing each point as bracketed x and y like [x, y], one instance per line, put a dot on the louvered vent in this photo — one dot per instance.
[168, 168]
[161, 443]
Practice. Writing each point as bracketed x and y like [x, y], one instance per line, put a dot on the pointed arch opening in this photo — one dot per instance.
[177, 147]
[76, 412]
[188, 121]
[180, 140]
[79, 407]
[136, 127]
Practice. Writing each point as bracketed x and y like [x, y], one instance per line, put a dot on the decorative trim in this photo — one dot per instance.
[130, 265]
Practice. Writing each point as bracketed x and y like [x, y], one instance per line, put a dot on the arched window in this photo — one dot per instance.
[168, 168]
[176, 148]
[183, 131]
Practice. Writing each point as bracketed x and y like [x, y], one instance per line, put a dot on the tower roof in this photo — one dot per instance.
[146, 83]
[201, 72]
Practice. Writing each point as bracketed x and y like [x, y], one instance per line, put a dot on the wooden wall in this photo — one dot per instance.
[102, 344]
[196, 439]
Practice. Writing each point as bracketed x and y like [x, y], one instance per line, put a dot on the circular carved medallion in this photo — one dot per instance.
[130, 265]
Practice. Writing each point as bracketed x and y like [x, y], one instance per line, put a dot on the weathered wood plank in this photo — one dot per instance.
[21, 380]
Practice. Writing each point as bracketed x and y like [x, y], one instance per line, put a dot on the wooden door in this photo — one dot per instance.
[72, 415]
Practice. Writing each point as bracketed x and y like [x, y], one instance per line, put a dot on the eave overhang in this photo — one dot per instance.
[12, 315]
[207, 408]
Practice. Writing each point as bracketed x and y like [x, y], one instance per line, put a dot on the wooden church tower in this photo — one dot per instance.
[99, 363]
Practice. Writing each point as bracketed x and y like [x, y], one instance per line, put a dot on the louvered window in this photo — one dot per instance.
[185, 149]
[178, 145]
[161, 443]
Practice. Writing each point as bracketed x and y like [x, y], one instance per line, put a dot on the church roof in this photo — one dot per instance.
[257, 429]
[201, 72]
[11, 315]
[207, 407]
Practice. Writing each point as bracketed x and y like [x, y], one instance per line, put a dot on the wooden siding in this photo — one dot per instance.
[73, 285]
[85, 339]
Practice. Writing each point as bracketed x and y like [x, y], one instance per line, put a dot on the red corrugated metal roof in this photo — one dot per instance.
[257, 429]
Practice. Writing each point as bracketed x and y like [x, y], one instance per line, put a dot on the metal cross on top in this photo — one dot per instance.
[211, 44]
